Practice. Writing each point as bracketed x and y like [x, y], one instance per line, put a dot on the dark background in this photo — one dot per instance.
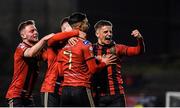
[152, 74]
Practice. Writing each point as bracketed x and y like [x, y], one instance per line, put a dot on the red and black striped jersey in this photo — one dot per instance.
[109, 81]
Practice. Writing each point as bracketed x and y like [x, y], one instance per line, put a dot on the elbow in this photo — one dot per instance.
[142, 47]
[31, 55]
[142, 51]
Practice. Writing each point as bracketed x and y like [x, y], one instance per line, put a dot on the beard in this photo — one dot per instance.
[33, 40]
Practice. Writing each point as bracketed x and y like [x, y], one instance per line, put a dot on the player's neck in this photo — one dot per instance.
[82, 38]
[28, 43]
[100, 43]
[82, 35]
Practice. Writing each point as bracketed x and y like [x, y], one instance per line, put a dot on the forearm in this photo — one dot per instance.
[93, 67]
[30, 52]
[62, 36]
[141, 44]
[139, 49]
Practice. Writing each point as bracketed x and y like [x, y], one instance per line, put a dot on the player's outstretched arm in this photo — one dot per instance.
[58, 37]
[31, 52]
[140, 48]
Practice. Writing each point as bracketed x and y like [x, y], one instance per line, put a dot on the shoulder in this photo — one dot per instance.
[22, 46]
[85, 44]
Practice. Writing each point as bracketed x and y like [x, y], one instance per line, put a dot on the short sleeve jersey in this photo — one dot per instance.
[25, 73]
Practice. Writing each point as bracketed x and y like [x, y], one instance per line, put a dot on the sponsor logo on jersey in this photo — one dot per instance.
[86, 42]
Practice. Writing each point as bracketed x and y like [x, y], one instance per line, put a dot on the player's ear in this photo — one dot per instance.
[80, 25]
[97, 33]
[22, 35]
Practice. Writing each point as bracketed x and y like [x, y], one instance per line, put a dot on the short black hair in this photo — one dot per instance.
[76, 17]
[23, 24]
[101, 23]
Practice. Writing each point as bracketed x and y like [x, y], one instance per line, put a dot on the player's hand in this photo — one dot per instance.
[45, 38]
[136, 34]
[109, 59]
[73, 41]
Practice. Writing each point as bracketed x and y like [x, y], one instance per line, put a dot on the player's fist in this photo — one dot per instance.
[136, 34]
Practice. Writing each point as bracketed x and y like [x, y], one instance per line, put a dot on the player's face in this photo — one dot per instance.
[104, 35]
[30, 33]
[65, 27]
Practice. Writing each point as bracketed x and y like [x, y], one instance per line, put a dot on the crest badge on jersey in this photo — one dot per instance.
[91, 51]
